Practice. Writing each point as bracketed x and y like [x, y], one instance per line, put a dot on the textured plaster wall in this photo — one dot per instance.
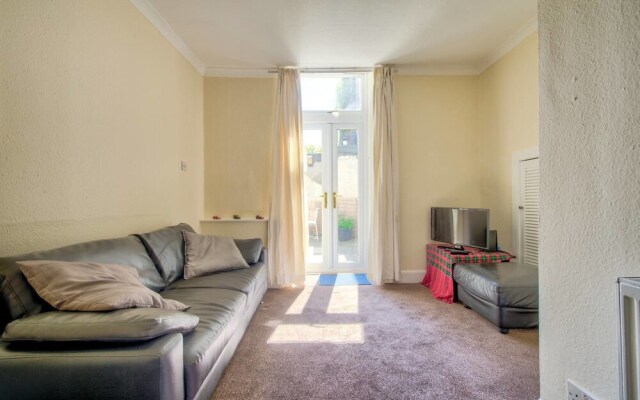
[238, 125]
[590, 186]
[508, 120]
[438, 141]
[97, 110]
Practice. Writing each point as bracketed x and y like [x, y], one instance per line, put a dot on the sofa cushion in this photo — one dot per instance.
[126, 325]
[220, 311]
[250, 249]
[243, 280]
[208, 254]
[166, 249]
[22, 300]
[85, 286]
[502, 284]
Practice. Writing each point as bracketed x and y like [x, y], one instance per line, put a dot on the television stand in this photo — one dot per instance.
[440, 266]
[455, 247]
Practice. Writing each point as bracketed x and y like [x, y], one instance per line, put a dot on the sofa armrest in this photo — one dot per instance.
[145, 370]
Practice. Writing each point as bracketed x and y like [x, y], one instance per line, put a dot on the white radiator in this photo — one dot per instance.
[629, 316]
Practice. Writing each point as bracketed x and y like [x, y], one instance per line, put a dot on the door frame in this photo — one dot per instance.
[329, 179]
[347, 118]
[516, 220]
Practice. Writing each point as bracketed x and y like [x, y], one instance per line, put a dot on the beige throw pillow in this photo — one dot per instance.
[208, 254]
[86, 286]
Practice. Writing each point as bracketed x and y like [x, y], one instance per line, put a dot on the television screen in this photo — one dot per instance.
[460, 226]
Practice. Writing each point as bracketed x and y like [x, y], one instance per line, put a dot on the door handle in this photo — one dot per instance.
[335, 199]
[324, 197]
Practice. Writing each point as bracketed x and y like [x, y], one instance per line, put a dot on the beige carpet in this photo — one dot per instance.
[367, 342]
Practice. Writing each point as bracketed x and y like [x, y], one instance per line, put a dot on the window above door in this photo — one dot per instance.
[331, 92]
[335, 97]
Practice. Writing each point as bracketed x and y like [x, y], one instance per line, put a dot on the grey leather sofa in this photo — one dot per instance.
[173, 366]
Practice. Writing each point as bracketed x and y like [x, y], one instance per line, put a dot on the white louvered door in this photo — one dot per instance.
[529, 210]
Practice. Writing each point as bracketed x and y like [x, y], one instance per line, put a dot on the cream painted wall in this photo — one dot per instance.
[508, 122]
[438, 151]
[238, 119]
[590, 187]
[452, 129]
[97, 110]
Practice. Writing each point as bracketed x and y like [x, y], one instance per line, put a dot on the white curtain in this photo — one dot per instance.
[384, 263]
[286, 224]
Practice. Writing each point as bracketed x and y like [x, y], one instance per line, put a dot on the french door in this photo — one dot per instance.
[334, 196]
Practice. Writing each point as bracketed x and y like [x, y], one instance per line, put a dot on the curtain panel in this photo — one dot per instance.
[286, 224]
[384, 265]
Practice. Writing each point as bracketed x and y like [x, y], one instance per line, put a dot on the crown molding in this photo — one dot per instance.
[435, 70]
[508, 45]
[239, 72]
[165, 29]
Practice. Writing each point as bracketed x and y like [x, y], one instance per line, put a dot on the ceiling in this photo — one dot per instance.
[418, 34]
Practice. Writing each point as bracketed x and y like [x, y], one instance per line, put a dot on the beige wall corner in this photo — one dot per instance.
[590, 186]
[238, 119]
[98, 111]
[508, 123]
[438, 151]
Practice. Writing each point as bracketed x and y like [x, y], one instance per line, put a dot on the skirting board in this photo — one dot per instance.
[412, 276]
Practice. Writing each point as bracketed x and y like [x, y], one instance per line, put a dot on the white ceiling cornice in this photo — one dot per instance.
[508, 45]
[239, 72]
[165, 29]
[435, 70]
[472, 69]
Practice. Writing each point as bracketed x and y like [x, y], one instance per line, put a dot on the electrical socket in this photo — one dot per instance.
[575, 392]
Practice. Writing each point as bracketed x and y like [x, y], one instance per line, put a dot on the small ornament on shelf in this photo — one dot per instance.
[215, 217]
[259, 216]
[236, 216]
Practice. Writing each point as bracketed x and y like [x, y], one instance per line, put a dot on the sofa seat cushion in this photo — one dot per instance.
[22, 300]
[220, 311]
[243, 280]
[503, 284]
[127, 325]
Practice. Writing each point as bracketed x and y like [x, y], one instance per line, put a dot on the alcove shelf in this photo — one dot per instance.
[235, 220]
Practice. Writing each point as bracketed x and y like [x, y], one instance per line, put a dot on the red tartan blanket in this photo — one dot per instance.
[440, 263]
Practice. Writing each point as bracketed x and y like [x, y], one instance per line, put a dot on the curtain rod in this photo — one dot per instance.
[326, 70]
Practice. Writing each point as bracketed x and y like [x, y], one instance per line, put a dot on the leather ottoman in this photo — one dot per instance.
[504, 293]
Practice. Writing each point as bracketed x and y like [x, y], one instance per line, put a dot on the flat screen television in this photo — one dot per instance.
[460, 226]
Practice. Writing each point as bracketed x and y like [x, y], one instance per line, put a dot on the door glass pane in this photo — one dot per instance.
[312, 144]
[348, 201]
[330, 92]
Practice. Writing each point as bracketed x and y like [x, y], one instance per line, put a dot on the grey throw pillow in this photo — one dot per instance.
[86, 286]
[208, 254]
[126, 325]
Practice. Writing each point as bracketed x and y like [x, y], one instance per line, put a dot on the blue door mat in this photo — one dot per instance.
[343, 279]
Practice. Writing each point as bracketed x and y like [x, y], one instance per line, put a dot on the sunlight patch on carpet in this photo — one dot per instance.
[300, 302]
[344, 300]
[318, 333]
